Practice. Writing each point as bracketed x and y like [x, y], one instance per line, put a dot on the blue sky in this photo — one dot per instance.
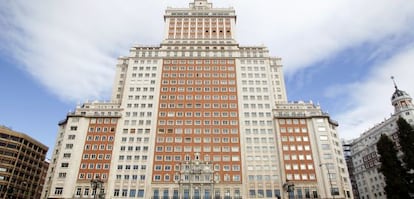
[339, 54]
[28, 107]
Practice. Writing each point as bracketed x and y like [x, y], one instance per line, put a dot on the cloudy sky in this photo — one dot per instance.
[340, 54]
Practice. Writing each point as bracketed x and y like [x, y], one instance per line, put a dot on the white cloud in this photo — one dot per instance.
[303, 32]
[369, 101]
[70, 46]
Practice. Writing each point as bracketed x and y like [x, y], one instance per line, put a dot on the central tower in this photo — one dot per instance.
[209, 126]
[197, 143]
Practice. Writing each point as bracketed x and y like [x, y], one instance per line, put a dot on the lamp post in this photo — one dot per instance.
[96, 184]
[329, 178]
[289, 187]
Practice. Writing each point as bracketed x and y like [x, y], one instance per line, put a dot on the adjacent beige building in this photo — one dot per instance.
[83, 150]
[310, 151]
[23, 165]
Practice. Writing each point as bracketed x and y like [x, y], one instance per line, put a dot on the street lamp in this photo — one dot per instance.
[289, 187]
[96, 184]
[329, 178]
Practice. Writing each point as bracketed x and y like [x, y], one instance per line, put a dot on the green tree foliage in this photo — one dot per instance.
[396, 185]
[406, 140]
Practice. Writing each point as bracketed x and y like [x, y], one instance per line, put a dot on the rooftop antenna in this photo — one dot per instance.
[393, 80]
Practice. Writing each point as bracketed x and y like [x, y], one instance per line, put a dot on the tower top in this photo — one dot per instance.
[400, 99]
[201, 4]
[398, 93]
[200, 23]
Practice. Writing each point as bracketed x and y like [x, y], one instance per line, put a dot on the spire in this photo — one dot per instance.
[395, 84]
[397, 93]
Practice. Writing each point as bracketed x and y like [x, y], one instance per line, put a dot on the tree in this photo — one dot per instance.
[406, 140]
[396, 185]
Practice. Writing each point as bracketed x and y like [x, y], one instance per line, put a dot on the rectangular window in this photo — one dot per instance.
[62, 175]
[252, 193]
[326, 146]
[78, 191]
[323, 137]
[335, 191]
[277, 193]
[132, 193]
[58, 190]
[86, 192]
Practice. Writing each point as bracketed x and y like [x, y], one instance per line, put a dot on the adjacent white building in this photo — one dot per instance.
[369, 182]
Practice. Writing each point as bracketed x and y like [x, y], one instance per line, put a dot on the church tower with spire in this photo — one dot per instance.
[401, 101]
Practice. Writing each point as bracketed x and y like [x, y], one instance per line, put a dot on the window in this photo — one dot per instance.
[116, 192]
[268, 193]
[326, 146]
[157, 178]
[252, 193]
[86, 192]
[335, 191]
[321, 129]
[140, 193]
[132, 193]
[62, 175]
[124, 192]
[323, 137]
[277, 193]
[58, 190]
[78, 191]
[260, 193]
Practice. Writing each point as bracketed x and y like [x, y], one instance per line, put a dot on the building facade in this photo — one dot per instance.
[23, 165]
[196, 119]
[310, 151]
[347, 147]
[83, 151]
[369, 182]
